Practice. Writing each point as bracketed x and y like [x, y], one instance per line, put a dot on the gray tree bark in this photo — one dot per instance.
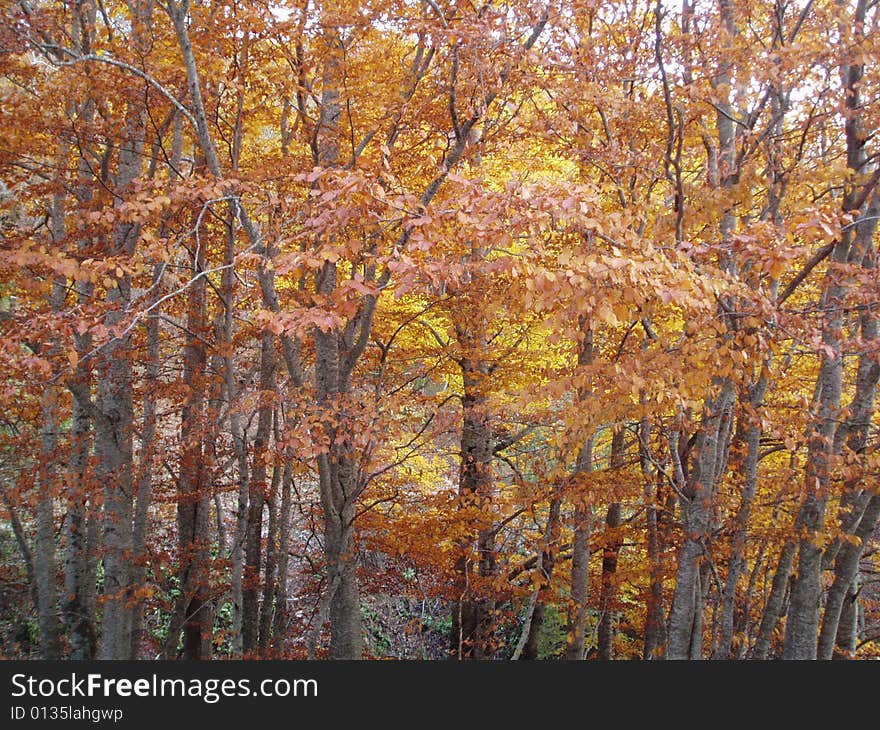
[267, 604]
[610, 557]
[471, 618]
[144, 483]
[748, 469]
[44, 549]
[80, 522]
[193, 501]
[546, 564]
[710, 446]
[578, 609]
[802, 629]
[258, 491]
[284, 516]
[114, 428]
[846, 569]
[149, 422]
[696, 508]
[775, 601]
[655, 623]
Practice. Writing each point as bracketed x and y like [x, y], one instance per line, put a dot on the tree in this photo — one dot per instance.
[422, 328]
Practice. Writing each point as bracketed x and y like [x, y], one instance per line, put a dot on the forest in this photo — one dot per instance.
[439, 329]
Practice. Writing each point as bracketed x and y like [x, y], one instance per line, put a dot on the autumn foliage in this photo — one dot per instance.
[431, 328]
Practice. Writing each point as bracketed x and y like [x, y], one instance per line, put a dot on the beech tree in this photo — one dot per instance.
[437, 329]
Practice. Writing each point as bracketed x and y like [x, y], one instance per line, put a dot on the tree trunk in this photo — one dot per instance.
[846, 569]
[114, 448]
[193, 506]
[583, 517]
[23, 546]
[79, 584]
[257, 495]
[114, 430]
[145, 478]
[80, 523]
[580, 571]
[148, 431]
[472, 620]
[847, 628]
[802, 629]
[744, 622]
[610, 557]
[710, 447]
[859, 505]
[696, 508]
[335, 358]
[695, 651]
[44, 549]
[346, 640]
[239, 441]
[749, 470]
[44, 552]
[280, 596]
[775, 601]
[546, 563]
[268, 605]
[655, 624]
[240, 537]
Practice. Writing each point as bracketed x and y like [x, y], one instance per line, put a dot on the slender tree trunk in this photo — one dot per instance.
[655, 624]
[775, 601]
[583, 517]
[802, 629]
[280, 596]
[257, 495]
[846, 569]
[744, 622]
[710, 446]
[580, 569]
[24, 547]
[847, 628]
[114, 430]
[546, 565]
[268, 605]
[749, 423]
[193, 506]
[79, 584]
[749, 471]
[471, 620]
[44, 552]
[47, 480]
[148, 430]
[239, 441]
[526, 635]
[145, 478]
[610, 557]
[240, 537]
[226, 361]
[696, 508]
[80, 524]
